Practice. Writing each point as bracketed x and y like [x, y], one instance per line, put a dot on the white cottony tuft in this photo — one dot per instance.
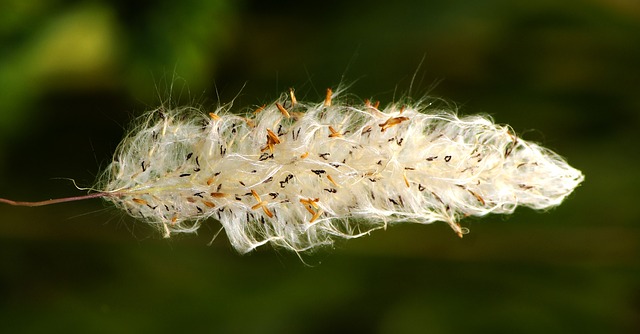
[298, 175]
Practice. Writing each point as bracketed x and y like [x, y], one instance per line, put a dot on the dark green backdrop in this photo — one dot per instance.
[563, 73]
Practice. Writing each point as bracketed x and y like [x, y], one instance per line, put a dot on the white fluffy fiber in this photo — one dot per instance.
[296, 175]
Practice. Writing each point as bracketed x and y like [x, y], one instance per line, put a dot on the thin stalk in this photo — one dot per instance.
[55, 200]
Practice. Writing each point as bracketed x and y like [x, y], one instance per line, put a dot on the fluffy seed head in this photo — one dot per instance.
[297, 174]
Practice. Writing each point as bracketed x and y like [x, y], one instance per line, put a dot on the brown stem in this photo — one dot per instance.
[55, 200]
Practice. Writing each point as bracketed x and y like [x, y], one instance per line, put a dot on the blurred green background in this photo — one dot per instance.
[563, 73]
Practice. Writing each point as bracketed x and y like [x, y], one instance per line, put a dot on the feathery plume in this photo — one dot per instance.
[298, 175]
